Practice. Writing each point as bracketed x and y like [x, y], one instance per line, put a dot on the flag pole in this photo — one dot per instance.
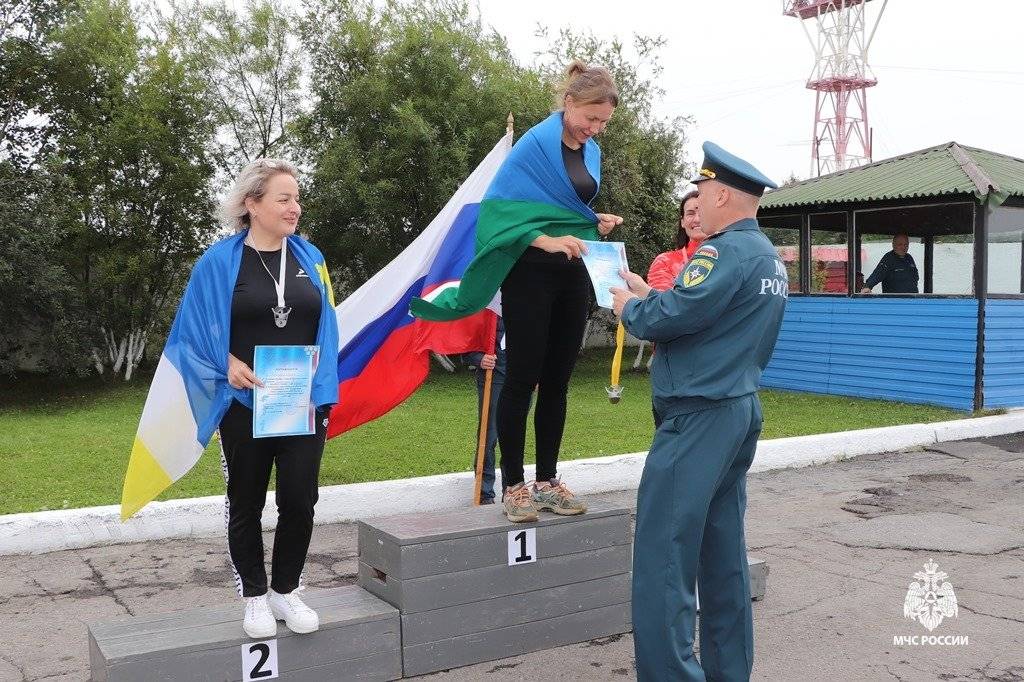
[485, 420]
[485, 403]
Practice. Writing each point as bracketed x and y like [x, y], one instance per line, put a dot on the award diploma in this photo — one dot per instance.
[282, 406]
[603, 261]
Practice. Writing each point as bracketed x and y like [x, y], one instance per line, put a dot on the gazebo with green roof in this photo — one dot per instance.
[960, 341]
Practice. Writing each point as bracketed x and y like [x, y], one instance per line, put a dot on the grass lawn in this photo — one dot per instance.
[68, 446]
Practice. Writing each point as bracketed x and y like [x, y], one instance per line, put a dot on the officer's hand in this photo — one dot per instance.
[488, 361]
[572, 247]
[606, 222]
[636, 283]
[619, 299]
[865, 290]
[240, 375]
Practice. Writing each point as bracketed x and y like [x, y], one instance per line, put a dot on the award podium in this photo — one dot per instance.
[472, 587]
[435, 591]
[359, 639]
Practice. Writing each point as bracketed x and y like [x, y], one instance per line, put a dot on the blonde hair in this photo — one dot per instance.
[587, 85]
[251, 182]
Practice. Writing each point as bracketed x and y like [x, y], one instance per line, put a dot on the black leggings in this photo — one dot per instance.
[246, 462]
[544, 303]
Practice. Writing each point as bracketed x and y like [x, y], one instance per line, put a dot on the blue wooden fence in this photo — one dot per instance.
[915, 350]
[1004, 353]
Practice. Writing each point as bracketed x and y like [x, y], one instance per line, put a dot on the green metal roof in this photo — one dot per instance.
[947, 169]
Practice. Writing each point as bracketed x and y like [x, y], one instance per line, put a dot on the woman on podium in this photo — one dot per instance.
[279, 294]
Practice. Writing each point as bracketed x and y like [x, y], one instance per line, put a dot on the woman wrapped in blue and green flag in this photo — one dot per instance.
[529, 238]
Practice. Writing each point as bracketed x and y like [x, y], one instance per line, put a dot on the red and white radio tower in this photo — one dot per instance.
[840, 79]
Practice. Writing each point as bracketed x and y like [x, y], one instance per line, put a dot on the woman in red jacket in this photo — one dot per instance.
[667, 266]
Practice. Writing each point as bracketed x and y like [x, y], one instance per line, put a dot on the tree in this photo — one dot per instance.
[25, 42]
[406, 102]
[43, 324]
[132, 126]
[253, 67]
[793, 179]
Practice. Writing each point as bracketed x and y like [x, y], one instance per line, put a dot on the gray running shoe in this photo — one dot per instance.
[518, 504]
[553, 496]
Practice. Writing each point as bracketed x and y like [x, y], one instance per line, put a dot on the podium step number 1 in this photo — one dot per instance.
[522, 546]
[259, 661]
[473, 587]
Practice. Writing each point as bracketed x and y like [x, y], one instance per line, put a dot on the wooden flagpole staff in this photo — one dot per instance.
[485, 416]
[485, 403]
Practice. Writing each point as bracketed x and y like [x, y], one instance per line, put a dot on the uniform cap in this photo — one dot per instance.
[731, 170]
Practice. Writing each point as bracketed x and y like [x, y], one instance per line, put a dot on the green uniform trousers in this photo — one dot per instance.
[689, 531]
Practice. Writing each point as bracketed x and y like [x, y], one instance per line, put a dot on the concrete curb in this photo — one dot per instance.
[48, 531]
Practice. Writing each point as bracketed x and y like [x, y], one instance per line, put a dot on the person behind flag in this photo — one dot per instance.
[496, 364]
[529, 239]
[665, 267]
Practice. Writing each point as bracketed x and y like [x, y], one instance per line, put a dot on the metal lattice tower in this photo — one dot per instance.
[840, 79]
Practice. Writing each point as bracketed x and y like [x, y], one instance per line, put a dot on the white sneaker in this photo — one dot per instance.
[259, 622]
[296, 615]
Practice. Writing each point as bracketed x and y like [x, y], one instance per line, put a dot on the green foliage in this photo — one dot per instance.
[252, 64]
[112, 138]
[25, 42]
[44, 323]
[407, 101]
[132, 127]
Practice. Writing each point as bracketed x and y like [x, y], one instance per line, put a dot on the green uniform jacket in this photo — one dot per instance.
[716, 327]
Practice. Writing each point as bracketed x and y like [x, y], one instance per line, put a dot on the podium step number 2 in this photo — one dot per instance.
[259, 661]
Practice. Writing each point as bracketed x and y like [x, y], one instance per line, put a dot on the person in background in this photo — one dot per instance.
[496, 363]
[666, 266]
[896, 271]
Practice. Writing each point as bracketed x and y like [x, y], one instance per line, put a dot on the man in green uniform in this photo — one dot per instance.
[715, 331]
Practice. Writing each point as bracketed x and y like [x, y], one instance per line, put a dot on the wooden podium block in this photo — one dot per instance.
[472, 587]
[359, 639]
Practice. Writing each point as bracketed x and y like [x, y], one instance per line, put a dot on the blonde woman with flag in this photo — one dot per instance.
[265, 285]
[530, 232]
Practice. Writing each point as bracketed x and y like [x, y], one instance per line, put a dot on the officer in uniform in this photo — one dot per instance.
[715, 331]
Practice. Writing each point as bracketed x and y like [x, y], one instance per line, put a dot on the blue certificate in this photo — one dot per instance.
[282, 406]
[603, 261]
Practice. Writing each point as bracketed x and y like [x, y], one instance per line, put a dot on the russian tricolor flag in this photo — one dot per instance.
[384, 351]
